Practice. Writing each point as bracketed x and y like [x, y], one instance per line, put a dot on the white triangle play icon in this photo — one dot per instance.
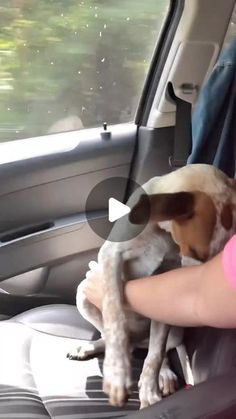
[116, 209]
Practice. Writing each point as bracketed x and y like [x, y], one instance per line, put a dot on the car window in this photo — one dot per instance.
[69, 64]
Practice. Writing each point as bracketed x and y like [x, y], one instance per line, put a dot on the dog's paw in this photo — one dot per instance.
[149, 392]
[168, 381]
[117, 383]
[84, 351]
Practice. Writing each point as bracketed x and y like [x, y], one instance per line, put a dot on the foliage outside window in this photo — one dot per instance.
[69, 64]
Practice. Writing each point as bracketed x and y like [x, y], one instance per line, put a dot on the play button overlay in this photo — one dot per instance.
[116, 210]
[108, 214]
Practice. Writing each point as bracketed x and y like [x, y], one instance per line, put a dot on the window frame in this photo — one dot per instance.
[161, 51]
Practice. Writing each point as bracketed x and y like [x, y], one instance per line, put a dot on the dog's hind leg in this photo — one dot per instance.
[87, 349]
[168, 380]
[149, 391]
[185, 364]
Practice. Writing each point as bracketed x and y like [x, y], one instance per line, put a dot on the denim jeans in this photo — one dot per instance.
[213, 120]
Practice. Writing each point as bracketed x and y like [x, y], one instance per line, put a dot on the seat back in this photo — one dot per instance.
[212, 351]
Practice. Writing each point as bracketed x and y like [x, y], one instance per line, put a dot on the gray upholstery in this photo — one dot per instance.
[38, 381]
[212, 352]
[58, 320]
[213, 399]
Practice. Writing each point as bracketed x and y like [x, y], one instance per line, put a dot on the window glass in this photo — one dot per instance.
[73, 64]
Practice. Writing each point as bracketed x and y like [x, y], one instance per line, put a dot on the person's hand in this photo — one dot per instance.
[93, 289]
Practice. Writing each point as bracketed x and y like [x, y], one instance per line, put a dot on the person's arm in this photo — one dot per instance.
[192, 296]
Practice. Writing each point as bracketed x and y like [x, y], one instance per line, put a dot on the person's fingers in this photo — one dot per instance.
[92, 281]
[88, 285]
[89, 274]
[93, 266]
[93, 290]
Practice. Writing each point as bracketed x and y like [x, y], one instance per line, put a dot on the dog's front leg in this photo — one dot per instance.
[116, 367]
[149, 391]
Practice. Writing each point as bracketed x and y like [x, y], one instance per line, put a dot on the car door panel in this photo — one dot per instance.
[154, 147]
[44, 225]
[44, 188]
[42, 206]
[47, 202]
[67, 237]
[30, 282]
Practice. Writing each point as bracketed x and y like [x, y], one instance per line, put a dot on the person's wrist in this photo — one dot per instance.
[128, 290]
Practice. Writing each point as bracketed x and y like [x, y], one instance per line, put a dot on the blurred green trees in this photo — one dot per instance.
[73, 57]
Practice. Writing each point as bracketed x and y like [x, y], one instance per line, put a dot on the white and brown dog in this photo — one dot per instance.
[192, 214]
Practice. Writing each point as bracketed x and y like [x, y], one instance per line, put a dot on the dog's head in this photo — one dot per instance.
[200, 221]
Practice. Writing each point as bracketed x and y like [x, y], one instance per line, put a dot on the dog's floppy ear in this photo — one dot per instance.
[163, 207]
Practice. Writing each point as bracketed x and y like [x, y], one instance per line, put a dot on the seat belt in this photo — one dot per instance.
[183, 130]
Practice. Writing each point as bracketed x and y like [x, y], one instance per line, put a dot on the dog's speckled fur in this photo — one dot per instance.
[210, 190]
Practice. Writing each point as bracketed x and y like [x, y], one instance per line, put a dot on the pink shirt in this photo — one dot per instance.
[229, 261]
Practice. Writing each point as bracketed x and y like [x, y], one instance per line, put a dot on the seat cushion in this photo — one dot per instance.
[59, 320]
[212, 352]
[38, 378]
